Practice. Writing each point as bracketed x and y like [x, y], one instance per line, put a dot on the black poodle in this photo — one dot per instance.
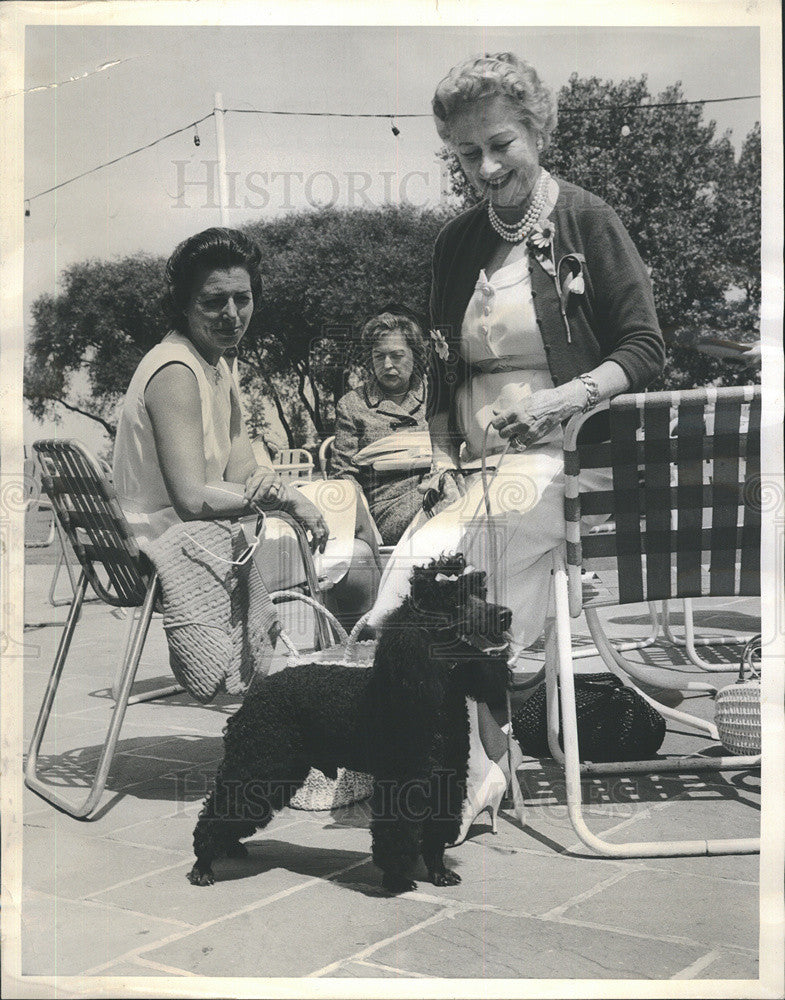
[403, 720]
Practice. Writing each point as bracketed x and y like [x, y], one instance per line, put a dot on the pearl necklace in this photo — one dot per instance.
[516, 233]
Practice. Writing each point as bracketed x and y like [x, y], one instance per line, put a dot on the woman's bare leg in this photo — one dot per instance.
[491, 735]
[355, 593]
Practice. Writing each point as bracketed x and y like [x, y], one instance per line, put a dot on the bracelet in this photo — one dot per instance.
[592, 392]
[452, 473]
[443, 473]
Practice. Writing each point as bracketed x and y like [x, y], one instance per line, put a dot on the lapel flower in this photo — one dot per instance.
[541, 236]
[540, 244]
[440, 344]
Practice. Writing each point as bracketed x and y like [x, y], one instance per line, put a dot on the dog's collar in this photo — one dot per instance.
[468, 640]
[450, 626]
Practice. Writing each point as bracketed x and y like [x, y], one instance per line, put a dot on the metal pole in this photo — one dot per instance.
[220, 143]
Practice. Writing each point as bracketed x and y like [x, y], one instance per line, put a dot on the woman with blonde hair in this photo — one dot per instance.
[541, 307]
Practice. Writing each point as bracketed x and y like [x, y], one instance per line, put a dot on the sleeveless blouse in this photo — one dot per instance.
[141, 490]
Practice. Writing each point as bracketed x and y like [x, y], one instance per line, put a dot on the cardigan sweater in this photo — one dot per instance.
[362, 417]
[613, 319]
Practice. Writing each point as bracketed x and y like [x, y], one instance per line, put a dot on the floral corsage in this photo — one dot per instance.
[440, 344]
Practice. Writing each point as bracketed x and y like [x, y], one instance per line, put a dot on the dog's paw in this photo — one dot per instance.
[445, 877]
[398, 883]
[237, 851]
[200, 876]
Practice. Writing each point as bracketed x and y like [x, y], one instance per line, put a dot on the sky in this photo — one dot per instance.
[161, 78]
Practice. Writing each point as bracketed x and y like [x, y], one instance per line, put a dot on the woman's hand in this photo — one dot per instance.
[529, 416]
[307, 515]
[753, 356]
[263, 489]
[441, 488]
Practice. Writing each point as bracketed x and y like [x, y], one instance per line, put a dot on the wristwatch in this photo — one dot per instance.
[592, 392]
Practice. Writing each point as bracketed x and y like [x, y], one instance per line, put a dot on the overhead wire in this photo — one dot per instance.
[382, 115]
[117, 159]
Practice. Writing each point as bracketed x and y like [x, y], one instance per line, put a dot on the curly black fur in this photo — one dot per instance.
[403, 720]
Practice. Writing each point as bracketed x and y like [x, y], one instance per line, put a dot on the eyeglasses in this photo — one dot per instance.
[247, 554]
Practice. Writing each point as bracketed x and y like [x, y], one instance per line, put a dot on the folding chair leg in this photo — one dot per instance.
[573, 768]
[135, 699]
[59, 602]
[650, 677]
[129, 632]
[690, 641]
[623, 646]
[323, 637]
[130, 665]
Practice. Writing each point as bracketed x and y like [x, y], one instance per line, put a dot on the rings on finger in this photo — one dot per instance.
[517, 443]
[274, 491]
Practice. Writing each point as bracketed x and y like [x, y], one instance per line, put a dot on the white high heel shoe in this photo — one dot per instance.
[486, 780]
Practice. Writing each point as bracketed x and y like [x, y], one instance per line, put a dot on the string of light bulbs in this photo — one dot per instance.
[392, 118]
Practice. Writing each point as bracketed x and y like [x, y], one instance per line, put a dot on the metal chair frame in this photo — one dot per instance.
[294, 463]
[655, 561]
[34, 501]
[90, 517]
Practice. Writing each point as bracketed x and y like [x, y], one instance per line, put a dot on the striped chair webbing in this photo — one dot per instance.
[683, 520]
[88, 512]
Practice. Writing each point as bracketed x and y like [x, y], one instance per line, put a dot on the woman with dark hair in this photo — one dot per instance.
[182, 451]
[391, 401]
[541, 308]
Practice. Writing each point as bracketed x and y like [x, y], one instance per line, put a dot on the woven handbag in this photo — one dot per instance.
[737, 717]
[318, 792]
[614, 721]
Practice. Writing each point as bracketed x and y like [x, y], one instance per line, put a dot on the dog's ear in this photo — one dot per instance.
[430, 599]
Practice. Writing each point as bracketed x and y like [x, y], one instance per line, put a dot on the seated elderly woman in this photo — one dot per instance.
[541, 308]
[183, 452]
[390, 403]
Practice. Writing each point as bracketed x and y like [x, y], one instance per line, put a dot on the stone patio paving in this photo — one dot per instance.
[109, 897]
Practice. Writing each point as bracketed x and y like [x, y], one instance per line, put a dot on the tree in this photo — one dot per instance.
[743, 203]
[87, 341]
[691, 209]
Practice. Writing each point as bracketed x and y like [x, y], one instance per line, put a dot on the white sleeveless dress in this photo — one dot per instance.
[142, 492]
[500, 339]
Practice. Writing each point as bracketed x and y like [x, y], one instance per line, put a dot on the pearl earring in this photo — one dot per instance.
[539, 144]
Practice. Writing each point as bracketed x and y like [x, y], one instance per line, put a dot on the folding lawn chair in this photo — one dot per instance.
[294, 463]
[325, 451]
[89, 515]
[685, 538]
[34, 503]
